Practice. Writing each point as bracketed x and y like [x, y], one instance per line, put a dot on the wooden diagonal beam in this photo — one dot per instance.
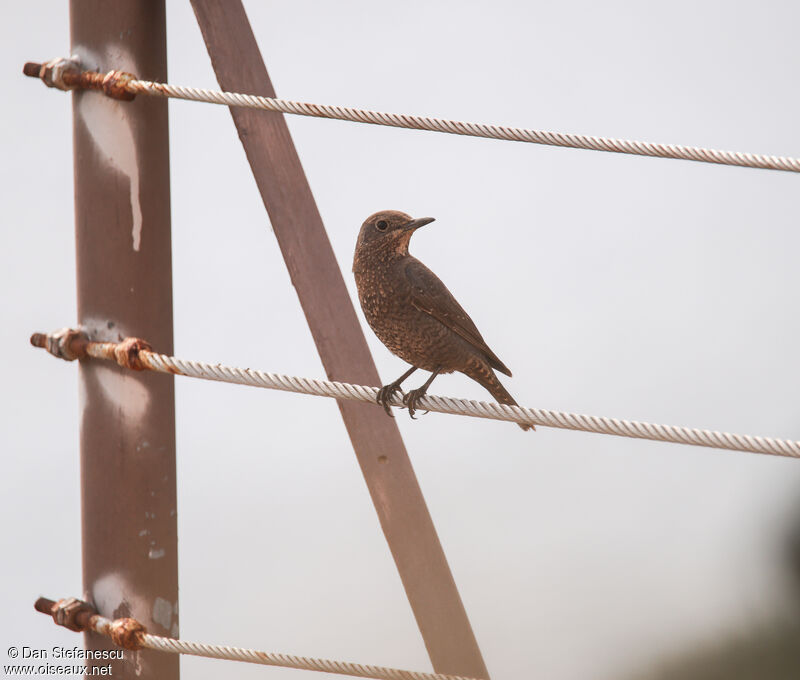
[341, 344]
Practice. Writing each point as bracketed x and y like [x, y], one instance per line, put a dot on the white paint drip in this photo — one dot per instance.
[125, 392]
[110, 592]
[110, 128]
[162, 613]
[174, 631]
[156, 554]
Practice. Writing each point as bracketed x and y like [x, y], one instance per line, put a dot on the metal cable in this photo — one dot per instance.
[135, 353]
[287, 660]
[480, 409]
[136, 638]
[67, 74]
[691, 153]
[128, 633]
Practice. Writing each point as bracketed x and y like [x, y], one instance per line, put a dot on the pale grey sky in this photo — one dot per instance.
[631, 287]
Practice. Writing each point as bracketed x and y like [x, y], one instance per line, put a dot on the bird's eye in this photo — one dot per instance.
[381, 225]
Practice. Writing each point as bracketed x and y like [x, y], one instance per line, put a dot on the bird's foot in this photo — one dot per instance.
[411, 399]
[385, 395]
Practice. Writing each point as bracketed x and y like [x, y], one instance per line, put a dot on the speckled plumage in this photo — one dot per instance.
[414, 314]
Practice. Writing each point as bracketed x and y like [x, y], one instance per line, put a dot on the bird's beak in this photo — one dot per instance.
[417, 223]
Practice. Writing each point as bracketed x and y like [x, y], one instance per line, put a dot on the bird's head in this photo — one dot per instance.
[389, 229]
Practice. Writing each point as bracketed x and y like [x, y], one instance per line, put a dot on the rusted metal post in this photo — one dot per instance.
[124, 271]
[340, 341]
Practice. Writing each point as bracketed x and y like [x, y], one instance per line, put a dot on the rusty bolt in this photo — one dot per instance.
[67, 344]
[61, 73]
[31, 69]
[67, 74]
[70, 612]
[39, 340]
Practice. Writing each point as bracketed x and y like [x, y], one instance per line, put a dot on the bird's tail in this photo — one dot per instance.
[486, 377]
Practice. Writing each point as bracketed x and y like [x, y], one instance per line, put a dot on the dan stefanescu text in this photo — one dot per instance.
[71, 653]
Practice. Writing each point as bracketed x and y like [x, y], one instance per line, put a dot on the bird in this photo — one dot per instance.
[414, 314]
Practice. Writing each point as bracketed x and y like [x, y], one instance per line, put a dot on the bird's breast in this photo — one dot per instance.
[383, 292]
[385, 295]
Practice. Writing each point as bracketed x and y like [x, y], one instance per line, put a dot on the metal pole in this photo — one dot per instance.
[301, 235]
[124, 272]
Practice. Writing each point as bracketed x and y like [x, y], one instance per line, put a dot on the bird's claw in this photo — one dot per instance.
[411, 399]
[385, 395]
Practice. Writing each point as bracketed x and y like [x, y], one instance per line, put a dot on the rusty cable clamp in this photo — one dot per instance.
[70, 344]
[80, 616]
[67, 74]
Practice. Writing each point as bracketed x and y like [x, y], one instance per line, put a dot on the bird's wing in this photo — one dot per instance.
[430, 295]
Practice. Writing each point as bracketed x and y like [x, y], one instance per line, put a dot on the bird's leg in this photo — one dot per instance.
[386, 392]
[410, 399]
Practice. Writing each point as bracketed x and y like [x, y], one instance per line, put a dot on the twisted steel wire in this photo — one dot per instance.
[638, 148]
[105, 626]
[479, 409]
[287, 660]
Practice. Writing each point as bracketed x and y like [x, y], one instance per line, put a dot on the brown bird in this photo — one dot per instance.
[413, 313]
